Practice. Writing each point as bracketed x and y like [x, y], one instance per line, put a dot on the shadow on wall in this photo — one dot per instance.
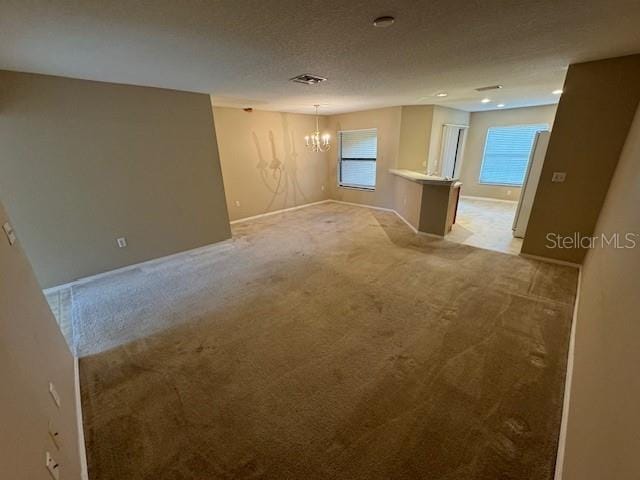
[280, 177]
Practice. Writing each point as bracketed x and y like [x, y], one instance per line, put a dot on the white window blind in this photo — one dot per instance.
[506, 153]
[358, 152]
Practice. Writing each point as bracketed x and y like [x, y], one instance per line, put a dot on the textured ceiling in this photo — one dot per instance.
[244, 51]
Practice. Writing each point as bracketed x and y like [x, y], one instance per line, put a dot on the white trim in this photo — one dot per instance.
[126, 268]
[147, 263]
[282, 210]
[153, 261]
[415, 230]
[488, 199]
[82, 451]
[551, 260]
[562, 438]
[384, 209]
[364, 205]
[435, 235]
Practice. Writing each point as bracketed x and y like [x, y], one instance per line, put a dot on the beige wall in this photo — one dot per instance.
[407, 200]
[476, 137]
[266, 166]
[415, 137]
[86, 162]
[421, 136]
[265, 163]
[592, 121]
[604, 418]
[387, 121]
[32, 354]
[442, 116]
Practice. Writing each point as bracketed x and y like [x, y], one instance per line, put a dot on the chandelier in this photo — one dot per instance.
[314, 141]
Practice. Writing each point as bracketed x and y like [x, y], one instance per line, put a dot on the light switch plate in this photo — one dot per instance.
[558, 177]
[122, 242]
[9, 232]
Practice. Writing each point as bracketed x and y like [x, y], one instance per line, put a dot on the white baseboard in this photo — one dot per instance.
[146, 263]
[562, 438]
[551, 260]
[364, 205]
[154, 261]
[414, 229]
[282, 210]
[82, 450]
[488, 199]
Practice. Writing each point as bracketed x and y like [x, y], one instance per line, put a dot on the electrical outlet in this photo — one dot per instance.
[322, 188]
[558, 177]
[8, 231]
[54, 434]
[52, 466]
[54, 394]
[508, 193]
[237, 203]
[122, 242]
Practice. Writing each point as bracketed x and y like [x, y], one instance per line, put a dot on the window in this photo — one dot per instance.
[357, 158]
[506, 154]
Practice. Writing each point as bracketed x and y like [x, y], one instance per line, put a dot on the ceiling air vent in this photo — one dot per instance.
[490, 87]
[308, 79]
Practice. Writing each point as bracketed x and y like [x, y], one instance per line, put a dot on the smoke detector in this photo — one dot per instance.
[308, 79]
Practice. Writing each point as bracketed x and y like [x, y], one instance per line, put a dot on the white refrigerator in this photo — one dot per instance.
[530, 185]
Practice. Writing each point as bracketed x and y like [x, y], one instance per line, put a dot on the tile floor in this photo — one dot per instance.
[486, 224]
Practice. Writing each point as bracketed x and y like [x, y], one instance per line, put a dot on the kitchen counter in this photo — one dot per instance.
[422, 177]
[426, 202]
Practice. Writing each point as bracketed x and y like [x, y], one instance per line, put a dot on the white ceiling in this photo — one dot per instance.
[244, 51]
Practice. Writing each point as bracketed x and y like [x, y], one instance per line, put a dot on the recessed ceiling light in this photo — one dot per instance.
[383, 22]
[500, 105]
[441, 94]
[557, 92]
[485, 100]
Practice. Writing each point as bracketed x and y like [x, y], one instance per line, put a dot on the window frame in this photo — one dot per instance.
[366, 188]
[484, 151]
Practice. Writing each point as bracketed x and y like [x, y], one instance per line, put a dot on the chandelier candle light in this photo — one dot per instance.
[314, 141]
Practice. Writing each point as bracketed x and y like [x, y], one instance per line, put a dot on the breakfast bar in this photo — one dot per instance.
[426, 202]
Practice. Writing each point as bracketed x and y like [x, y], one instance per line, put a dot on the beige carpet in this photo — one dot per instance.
[332, 343]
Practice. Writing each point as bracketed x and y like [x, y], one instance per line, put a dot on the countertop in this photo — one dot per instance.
[423, 178]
